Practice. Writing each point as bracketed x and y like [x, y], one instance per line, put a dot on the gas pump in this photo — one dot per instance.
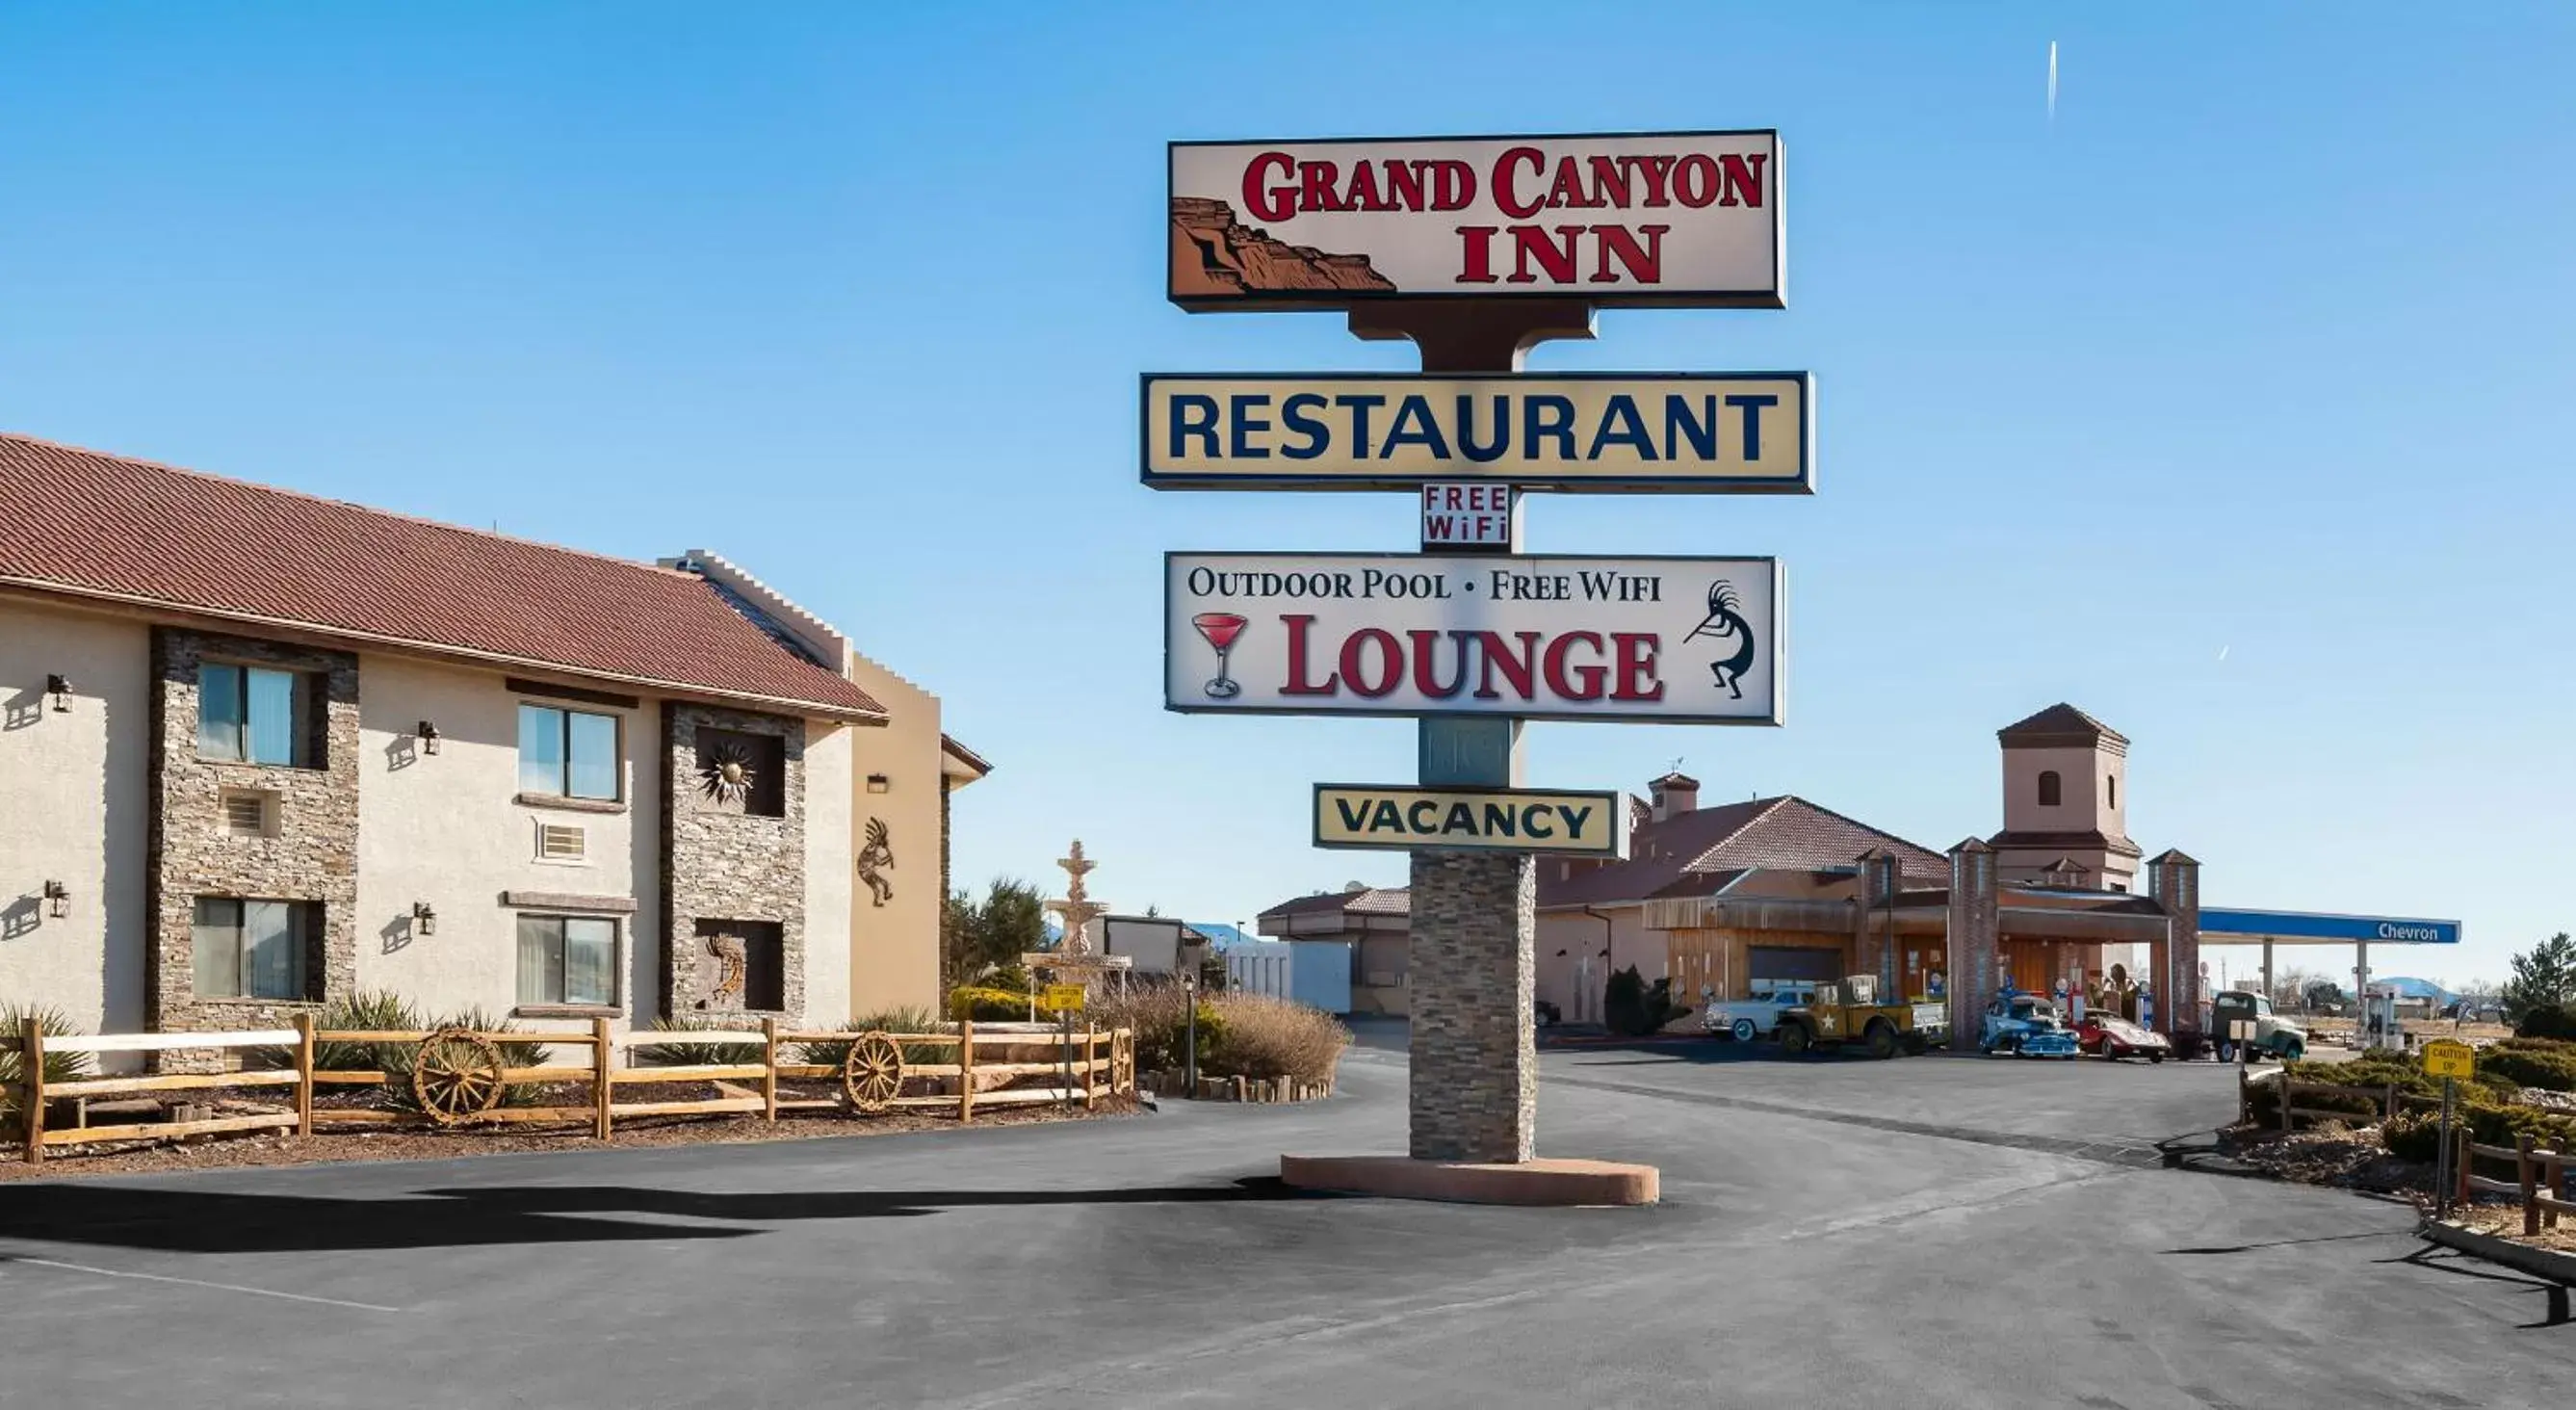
[2377, 1027]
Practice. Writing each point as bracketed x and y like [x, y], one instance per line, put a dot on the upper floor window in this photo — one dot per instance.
[2111, 789]
[567, 753]
[254, 715]
[2049, 791]
[252, 949]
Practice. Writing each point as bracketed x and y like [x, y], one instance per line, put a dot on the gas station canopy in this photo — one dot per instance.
[2225, 927]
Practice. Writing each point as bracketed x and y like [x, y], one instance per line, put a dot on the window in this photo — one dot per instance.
[2111, 789]
[251, 715]
[2049, 791]
[567, 960]
[252, 949]
[567, 753]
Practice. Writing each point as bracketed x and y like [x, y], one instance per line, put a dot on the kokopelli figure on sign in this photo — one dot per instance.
[1725, 621]
[875, 858]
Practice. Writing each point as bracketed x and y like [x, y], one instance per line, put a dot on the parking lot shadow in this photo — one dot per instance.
[193, 1221]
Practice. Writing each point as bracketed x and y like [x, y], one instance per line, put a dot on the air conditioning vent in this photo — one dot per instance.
[561, 842]
[247, 814]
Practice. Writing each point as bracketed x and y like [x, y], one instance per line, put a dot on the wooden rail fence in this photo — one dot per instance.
[2386, 1098]
[2539, 1184]
[1092, 1063]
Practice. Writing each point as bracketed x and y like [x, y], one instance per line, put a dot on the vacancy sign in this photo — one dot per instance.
[1466, 516]
[1403, 818]
[1670, 219]
[1698, 433]
[1658, 640]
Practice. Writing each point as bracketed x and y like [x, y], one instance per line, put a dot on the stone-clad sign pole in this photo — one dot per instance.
[1472, 964]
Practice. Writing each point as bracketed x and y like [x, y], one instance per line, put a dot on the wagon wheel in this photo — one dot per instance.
[1122, 1061]
[456, 1074]
[873, 1072]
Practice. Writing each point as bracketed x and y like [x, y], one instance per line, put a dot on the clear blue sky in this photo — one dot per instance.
[2233, 406]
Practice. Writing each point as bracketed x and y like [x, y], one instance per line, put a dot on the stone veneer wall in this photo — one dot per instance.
[1472, 969]
[1974, 931]
[721, 863]
[312, 857]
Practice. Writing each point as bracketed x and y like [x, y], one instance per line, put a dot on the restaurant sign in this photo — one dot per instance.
[1404, 818]
[1659, 219]
[1545, 637]
[1705, 433]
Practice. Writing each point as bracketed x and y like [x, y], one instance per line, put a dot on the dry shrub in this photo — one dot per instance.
[1267, 1037]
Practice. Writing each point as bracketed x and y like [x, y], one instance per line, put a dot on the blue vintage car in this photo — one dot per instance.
[2026, 1025]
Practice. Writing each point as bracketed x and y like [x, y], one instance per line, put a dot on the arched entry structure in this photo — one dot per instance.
[2270, 928]
[1972, 937]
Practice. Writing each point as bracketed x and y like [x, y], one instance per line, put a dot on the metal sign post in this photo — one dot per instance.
[2450, 1060]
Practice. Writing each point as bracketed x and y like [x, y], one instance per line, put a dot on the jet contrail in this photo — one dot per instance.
[2052, 80]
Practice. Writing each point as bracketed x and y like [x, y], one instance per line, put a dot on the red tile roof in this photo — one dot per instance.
[1699, 851]
[90, 524]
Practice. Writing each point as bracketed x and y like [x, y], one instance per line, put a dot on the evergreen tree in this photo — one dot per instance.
[2543, 977]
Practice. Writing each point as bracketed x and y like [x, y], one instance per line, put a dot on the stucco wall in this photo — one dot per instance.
[2080, 774]
[1579, 935]
[73, 802]
[446, 829]
[829, 844]
[894, 947]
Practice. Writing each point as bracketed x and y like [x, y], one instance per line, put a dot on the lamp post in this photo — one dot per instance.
[1193, 951]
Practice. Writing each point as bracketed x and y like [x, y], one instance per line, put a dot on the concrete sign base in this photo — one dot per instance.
[1527, 1182]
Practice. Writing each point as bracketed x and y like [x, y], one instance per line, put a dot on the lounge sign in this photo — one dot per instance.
[1671, 219]
[1660, 640]
[1407, 819]
[1724, 432]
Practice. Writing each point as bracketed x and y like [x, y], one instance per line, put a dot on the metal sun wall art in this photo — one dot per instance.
[877, 857]
[727, 775]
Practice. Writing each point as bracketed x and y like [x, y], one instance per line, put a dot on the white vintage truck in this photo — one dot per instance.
[1758, 1017]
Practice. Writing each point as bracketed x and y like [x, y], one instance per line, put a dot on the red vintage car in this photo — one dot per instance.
[2116, 1037]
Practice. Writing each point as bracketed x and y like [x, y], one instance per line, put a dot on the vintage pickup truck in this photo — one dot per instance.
[1747, 1019]
[1849, 1012]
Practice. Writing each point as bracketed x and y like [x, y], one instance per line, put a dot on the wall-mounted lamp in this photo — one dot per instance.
[428, 737]
[423, 919]
[58, 900]
[60, 687]
[877, 783]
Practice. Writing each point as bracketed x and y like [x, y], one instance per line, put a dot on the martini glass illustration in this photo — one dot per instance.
[1220, 629]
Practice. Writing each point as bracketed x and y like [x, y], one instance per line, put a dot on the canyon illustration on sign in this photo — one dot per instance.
[1674, 219]
[1692, 432]
[1666, 640]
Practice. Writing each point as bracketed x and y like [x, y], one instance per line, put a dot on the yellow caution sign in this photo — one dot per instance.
[1060, 998]
[2447, 1057]
[1469, 819]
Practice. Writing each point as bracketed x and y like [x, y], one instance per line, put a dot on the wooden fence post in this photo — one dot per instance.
[1090, 1054]
[965, 1070]
[2388, 1102]
[769, 1079]
[2289, 1095]
[602, 1052]
[304, 1074]
[2464, 1150]
[2244, 1098]
[31, 1088]
[2529, 1171]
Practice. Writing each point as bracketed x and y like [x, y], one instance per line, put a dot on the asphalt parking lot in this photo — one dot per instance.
[1848, 1232]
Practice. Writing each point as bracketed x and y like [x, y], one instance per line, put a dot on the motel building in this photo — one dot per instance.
[262, 751]
[1733, 898]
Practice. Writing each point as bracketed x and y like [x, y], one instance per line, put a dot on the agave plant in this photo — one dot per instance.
[58, 1067]
[699, 1054]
